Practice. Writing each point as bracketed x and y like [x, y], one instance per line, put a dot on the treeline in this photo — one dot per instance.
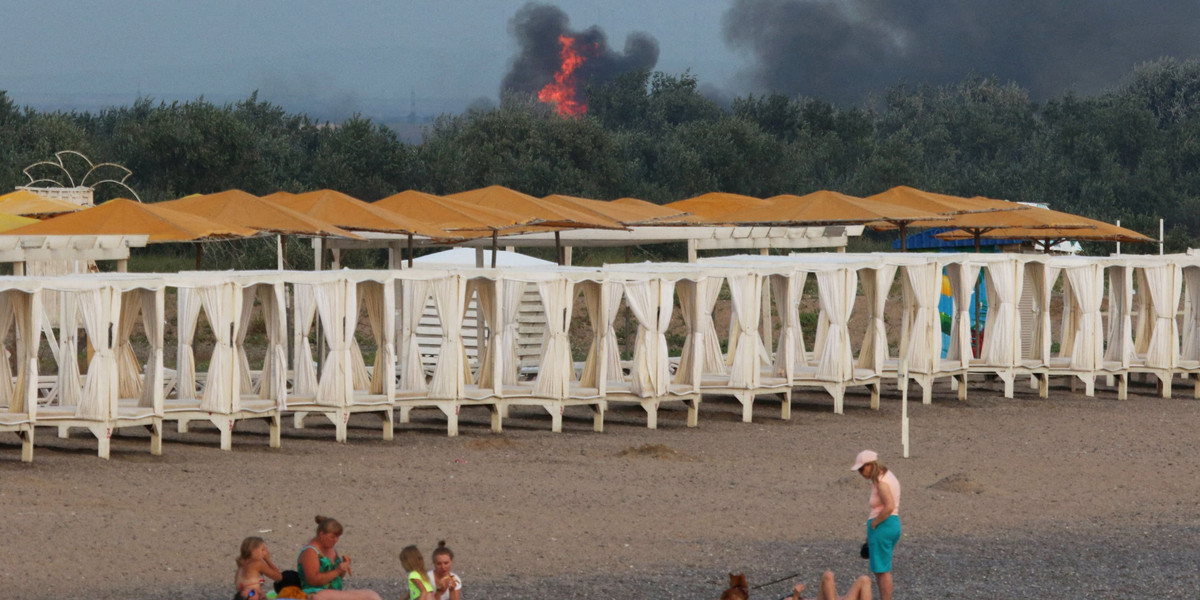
[1131, 154]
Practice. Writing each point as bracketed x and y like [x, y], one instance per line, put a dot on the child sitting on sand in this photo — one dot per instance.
[861, 590]
[254, 566]
[419, 587]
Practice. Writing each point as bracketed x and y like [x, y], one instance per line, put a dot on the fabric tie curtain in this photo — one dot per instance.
[70, 386]
[1191, 324]
[273, 381]
[651, 302]
[188, 315]
[333, 385]
[306, 312]
[963, 277]
[1144, 326]
[876, 284]
[26, 316]
[1119, 334]
[129, 374]
[1165, 290]
[790, 352]
[7, 319]
[836, 291]
[744, 290]
[98, 402]
[222, 305]
[247, 380]
[922, 288]
[1087, 291]
[414, 293]
[372, 295]
[360, 378]
[555, 371]
[448, 299]
[1069, 325]
[603, 303]
[702, 345]
[484, 292]
[153, 324]
[1000, 345]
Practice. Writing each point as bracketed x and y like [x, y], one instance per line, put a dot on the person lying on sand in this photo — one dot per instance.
[861, 590]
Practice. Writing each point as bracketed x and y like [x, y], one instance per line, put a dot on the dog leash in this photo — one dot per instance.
[792, 576]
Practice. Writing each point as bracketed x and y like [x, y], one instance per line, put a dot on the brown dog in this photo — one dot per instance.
[739, 589]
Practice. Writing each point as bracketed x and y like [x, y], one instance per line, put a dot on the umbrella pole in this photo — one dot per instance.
[410, 250]
[903, 236]
[495, 246]
[279, 256]
[199, 255]
[558, 255]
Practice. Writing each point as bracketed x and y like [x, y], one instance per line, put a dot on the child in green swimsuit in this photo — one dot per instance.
[419, 587]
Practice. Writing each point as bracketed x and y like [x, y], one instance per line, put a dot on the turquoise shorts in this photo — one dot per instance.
[881, 541]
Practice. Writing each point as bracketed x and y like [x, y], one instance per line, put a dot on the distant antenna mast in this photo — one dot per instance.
[54, 179]
[412, 108]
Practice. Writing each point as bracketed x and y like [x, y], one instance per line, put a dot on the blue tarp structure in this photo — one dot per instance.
[925, 241]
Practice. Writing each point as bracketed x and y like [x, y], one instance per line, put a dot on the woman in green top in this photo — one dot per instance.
[419, 587]
[322, 568]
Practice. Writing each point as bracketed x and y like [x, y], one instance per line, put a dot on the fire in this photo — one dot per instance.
[562, 90]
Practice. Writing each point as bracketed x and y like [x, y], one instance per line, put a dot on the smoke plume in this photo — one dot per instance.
[537, 28]
[839, 50]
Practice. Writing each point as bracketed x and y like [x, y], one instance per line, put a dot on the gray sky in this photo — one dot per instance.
[330, 57]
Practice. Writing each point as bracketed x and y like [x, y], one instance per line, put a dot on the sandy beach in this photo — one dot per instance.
[1002, 498]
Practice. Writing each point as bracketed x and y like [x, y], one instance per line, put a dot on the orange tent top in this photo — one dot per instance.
[126, 217]
[825, 207]
[662, 213]
[449, 213]
[942, 204]
[8, 222]
[247, 210]
[714, 206]
[274, 196]
[351, 213]
[538, 211]
[27, 203]
[625, 213]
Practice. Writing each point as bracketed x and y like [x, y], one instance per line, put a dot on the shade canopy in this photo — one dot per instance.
[942, 204]
[8, 222]
[538, 211]
[450, 214]
[351, 213]
[247, 210]
[1099, 231]
[715, 206]
[122, 216]
[29, 204]
[826, 207]
[627, 213]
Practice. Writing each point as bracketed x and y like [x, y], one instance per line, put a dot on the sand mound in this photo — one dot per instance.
[493, 443]
[659, 451]
[959, 483]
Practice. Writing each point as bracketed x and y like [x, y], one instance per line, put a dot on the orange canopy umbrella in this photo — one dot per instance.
[29, 204]
[626, 213]
[1080, 229]
[663, 214]
[976, 225]
[537, 211]
[8, 222]
[825, 207]
[714, 206]
[247, 210]
[452, 215]
[351, 213]
[941, 204]
[122, 216]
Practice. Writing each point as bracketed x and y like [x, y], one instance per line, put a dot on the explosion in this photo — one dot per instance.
[562, 91]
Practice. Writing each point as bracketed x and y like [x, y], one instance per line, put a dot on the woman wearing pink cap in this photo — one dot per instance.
[883, 526]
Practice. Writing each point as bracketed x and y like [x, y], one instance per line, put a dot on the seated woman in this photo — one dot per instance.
[861, 590]
[322, 569]
[448, 584]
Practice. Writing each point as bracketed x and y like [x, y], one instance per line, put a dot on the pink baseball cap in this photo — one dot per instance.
[864, 457]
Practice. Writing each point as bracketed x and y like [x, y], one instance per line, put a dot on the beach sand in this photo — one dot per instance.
[1002, 498]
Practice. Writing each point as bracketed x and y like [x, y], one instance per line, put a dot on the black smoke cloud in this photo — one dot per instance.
[537, 27]
[840, 50]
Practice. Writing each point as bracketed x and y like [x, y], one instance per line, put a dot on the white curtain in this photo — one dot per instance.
[360, 378]
[651, 302]
[789, 352]
[306, 311]
[100, 386]
[273, 381]
[188, 311]
[555, 370]
[448, 298]
[1144, 326]
[333, 386]
[1165, 289]
[1069, 325]
[1041, 279]
[603, 302]
[7, 317]
[1191, 323]
[1001, 344]
[1087, 290]
[1119, 336]
[922, 289]
[836, 290]
[373, 296]
[153, 324]
[962, 277]
[129, 374]
[222, 304]
[511, 294]
[488, 375]
[27, 316]
[414, 293]
[70, 388]
[745, 291]
[699, 297]
[876, 284]
[243, 328]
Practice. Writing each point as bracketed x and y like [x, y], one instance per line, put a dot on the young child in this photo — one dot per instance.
[254, 566]
[448, 584]
[419, 587]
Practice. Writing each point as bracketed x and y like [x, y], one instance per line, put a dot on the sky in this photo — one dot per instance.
[320, 57]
